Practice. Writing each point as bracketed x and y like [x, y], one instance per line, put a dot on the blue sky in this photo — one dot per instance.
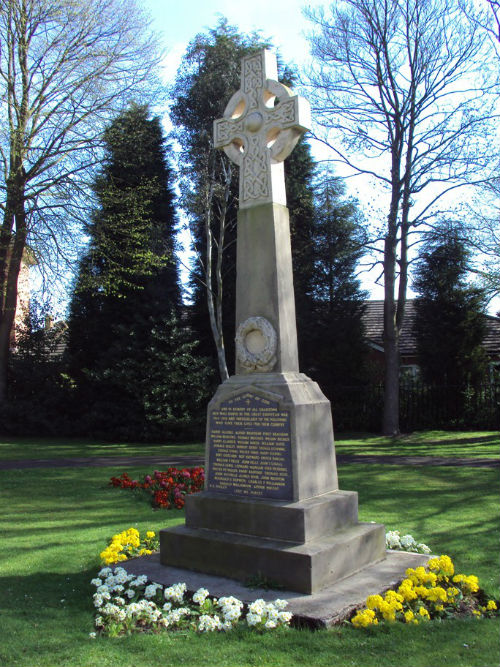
[281, 20]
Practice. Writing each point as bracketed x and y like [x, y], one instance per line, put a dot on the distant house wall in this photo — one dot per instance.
[23, 298]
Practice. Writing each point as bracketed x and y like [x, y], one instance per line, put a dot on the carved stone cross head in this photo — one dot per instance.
[262, 123]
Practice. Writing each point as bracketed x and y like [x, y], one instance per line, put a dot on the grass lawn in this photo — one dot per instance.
[474, 444]
[55, 522]
[13, 448]
[425, 443]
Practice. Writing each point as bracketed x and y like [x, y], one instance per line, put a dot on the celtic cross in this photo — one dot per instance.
[262, 123]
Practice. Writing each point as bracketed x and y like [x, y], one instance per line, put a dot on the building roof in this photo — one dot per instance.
[373, 320]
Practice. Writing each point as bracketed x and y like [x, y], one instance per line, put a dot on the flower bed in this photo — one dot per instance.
[167, 489]
[127, 604]
[129, 544]
[427, 593]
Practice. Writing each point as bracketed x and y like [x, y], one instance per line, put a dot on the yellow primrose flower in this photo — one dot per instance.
[409, 616]
[364, 618]
[150, 534]
[437, 594]
[407, 591]
[374, 601]
[422, 592]
[393, 598]
[491, 606]
[424, 613]
[446, 565]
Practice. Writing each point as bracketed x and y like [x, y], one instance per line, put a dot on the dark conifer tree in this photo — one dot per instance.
[450, 321]
[336, 348]
[126, 302]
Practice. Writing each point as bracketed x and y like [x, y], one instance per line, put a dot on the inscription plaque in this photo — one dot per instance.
[249, 448]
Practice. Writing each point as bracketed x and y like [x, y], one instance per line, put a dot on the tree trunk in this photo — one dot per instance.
[11, 255]
[8, 313]
[390, 424]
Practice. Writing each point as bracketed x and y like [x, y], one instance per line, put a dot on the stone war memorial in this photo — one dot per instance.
[272, 508]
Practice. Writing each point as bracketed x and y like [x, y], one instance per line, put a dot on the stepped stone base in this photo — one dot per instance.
[298, 522]
[302, 546]
[328, 607]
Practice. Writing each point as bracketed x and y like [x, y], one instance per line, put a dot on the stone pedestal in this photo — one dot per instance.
[272, 508]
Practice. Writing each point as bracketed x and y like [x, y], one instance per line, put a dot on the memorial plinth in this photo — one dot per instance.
[272, 507]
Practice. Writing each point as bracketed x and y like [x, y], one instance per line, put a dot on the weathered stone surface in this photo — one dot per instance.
[313, 464]
[297, 522]
[327, 607]
[306, 568]
[264, 281]
[262, 123]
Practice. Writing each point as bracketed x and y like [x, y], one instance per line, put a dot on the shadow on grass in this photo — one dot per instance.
[453, 510]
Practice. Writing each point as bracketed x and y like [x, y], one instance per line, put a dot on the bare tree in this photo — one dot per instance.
[66, 66]
[404, 95]
[483, 215]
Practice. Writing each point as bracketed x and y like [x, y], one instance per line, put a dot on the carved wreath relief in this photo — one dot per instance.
[256, 344]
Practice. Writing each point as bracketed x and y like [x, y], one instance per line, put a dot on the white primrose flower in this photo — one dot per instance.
[200, 596]
[98, 600]
[230, 602]
[92, 635]
[208, 623]
[103, 589]
[231, 613]
[114, 611]
[253, 619]
[121, 576]
[130, 593]
[120, 601]
[96, 582]
[257, 607]
[133, 609]
[285, 617]
[407, 542]
[270, 625]
[176, 615]
[175, 592]
[392, 539]
[281, 604]
[167, 606]
[272, 612]
[105, 571]
[150, 590]
[99, 621]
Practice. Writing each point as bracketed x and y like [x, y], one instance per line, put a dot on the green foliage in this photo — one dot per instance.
[133, 361]
[450, 319]
[335, 347]
[38, 386]
[132, 230]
